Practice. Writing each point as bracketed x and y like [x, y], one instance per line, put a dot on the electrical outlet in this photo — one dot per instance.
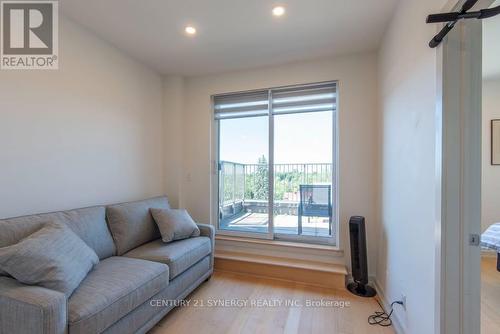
[403, 299]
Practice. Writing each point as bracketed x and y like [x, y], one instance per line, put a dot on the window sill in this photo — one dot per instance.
[280, 244]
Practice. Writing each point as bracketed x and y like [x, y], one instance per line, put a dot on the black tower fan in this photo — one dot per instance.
[359, 263]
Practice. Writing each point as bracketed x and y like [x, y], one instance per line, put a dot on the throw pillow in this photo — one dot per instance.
[53, 257]
[175, 224]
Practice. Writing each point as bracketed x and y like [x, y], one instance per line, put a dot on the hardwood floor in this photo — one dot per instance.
[490, 296]
[351, 319]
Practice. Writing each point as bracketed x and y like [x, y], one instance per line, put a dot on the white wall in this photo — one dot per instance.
[407, 73]
[173, 103]
[88, 133]
[491, 174]
[357, 126]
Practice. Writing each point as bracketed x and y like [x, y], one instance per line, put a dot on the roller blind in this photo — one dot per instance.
[287, 100]
[246, 104]
[310, 98]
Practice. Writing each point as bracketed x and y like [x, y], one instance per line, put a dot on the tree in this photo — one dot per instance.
[262, 180]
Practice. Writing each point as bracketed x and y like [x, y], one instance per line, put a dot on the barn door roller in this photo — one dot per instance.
[453, 17]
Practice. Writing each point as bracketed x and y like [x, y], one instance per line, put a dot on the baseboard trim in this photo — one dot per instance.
[396, 321]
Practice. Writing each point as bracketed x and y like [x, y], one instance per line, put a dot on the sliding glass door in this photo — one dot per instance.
[244, 175]
[303, 174]
[275, 163]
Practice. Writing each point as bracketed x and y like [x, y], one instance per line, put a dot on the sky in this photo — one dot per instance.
[298, 138]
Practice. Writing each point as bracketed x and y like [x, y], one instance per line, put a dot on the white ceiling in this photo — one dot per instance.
[491, 46]
[232, 34]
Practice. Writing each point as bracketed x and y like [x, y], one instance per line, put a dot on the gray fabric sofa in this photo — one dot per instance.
[121, 294]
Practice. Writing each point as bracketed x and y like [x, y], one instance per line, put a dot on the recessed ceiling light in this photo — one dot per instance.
[278, 11]
[190, 30]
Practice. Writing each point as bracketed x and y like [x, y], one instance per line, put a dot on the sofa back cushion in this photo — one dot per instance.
[132, 225]
[88, 223]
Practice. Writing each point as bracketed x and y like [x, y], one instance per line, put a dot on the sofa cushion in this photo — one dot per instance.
[132, 225]
[113, 289]
[178, 255]
[53, 257]
[88, 223]
[175, 224]
[152, 311]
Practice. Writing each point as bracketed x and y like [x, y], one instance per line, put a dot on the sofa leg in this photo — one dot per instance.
[208, 278]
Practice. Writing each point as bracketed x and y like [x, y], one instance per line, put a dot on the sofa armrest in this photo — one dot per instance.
[31, 309]
[208, 231]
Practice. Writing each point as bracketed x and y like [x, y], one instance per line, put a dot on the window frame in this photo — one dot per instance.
[271, 235]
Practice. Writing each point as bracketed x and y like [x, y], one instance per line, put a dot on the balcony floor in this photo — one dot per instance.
[285, 224]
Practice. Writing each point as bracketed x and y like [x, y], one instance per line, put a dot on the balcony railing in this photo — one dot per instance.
[249, 182]
[244, 193]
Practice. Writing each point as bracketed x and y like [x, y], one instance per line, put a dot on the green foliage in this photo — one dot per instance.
[260, 188]
[286, 182]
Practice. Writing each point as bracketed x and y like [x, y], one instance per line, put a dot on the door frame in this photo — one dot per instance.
[458, 178]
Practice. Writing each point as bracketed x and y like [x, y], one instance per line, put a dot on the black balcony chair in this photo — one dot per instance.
[315, 201]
